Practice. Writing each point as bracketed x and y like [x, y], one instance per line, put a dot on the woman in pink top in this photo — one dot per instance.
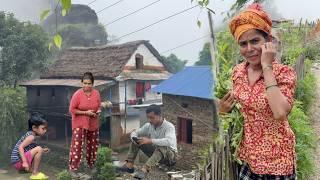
[85, 109]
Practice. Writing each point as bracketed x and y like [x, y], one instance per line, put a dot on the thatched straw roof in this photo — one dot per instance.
[104, 62]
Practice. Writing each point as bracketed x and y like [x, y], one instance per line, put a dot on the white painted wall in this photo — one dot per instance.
[131, 92]
[151, 95]
[121, 95]
[148, 58]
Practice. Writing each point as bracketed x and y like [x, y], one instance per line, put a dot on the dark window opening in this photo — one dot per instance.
[139, 61]
[184, 130]
[53, 93]
[38, 91]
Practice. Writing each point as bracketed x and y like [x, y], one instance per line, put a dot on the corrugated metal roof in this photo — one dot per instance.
[194, 81]
[62, 82]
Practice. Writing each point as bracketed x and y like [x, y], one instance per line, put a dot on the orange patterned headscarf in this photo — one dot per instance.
[254, 17]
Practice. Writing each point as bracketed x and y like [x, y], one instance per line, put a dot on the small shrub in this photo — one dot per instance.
[305, 140]
[104, 155]
[305, 88]
[107, 171]
[64, 175]
[105, 168]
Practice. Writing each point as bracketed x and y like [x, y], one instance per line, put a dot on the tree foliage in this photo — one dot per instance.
[204, 56]
[173, 63]
[13, 118]
[24, 49]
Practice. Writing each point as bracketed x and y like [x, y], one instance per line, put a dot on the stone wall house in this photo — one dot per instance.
[188, 103]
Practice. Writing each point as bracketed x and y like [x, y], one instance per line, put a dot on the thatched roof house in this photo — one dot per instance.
[106, 62]
[124, 74]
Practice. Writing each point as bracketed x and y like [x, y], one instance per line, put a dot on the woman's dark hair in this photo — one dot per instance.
[264, 34]
[36, 119]
[155, 109]
[88, 75]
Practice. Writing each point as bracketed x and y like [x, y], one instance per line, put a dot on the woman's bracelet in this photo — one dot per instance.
[267, 67]
[273, 85]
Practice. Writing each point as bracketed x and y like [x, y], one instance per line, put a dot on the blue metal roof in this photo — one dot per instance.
[194, 81]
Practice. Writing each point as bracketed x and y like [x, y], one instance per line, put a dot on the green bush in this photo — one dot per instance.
[64, 175]
[104, 155]
[13, 119]
[107, 171]
[305, 88]
[105, 168]
[305, 140]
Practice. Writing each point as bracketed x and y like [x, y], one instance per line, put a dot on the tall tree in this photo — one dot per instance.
[13, 118]
[173, 63]
[204, 56]
[24, 49]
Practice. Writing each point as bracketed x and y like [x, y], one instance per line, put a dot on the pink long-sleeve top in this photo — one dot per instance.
[83, 102]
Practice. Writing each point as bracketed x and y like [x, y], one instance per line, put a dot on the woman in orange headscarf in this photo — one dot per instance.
[265, 90]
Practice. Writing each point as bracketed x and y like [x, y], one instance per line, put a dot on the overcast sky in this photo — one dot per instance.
[174, 31]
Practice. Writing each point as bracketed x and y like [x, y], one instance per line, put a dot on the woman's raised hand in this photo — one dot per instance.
[227, 103]
[268, 54]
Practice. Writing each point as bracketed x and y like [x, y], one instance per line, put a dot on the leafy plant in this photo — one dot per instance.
[227, 56]
[305, 140]
[13, 118]
[305, 88]
[105, 168]
[107, 171]
[24, 49]
[64, 175]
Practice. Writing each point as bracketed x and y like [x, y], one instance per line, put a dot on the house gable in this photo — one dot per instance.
[149, 60]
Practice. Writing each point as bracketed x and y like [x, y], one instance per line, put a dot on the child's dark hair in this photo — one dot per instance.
[88, 75]
[36, 119]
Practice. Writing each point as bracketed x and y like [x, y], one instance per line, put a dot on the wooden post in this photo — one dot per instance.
[125, 107]
[215, 65]
[66, 132]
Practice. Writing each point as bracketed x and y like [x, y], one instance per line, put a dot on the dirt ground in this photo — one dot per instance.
[9, 173]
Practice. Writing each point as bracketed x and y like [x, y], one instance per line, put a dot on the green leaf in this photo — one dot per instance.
[57, 39]
[66, 4]
[199, 23]
[206, 2]
[63, 12]
[44, 14]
